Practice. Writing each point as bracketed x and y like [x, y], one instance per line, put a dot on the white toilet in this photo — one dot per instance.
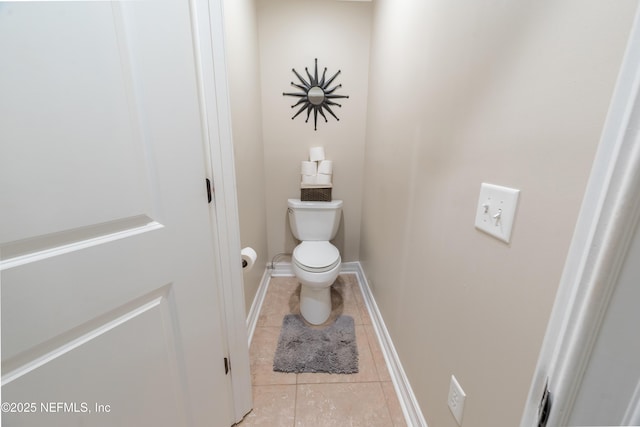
[316, 262]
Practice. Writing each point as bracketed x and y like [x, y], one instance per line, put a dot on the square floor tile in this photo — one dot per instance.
[279, 301]
[261, 353]
[342, 404]
[273, 405]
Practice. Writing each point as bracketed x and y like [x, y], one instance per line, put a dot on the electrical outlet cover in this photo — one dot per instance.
[456, 399]
[496, 210]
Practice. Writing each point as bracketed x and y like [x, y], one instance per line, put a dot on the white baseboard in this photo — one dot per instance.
[256, 305]
[408, 402]
[282, 269]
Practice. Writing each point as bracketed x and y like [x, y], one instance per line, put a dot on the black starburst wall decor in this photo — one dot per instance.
[315, 95]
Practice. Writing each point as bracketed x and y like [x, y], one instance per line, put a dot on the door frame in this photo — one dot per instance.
[609, 213]
[207, 17]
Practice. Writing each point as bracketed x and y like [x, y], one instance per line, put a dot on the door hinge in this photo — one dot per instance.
[545, 406]
[227, 365]
[209, 190]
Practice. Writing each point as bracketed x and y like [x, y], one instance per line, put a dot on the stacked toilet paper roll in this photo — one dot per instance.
[316, 154]
[317, 171]
[317, 174]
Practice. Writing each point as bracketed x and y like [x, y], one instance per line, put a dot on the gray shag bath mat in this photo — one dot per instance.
[303, 349]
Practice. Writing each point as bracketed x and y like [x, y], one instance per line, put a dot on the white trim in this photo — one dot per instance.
[58, 250]
[408, 402]
[609, 211]
[256, 305]
[210, 50]
[282, 269]
[352, 267]
[69, 346]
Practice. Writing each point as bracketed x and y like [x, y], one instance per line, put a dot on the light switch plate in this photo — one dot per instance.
[496, 210]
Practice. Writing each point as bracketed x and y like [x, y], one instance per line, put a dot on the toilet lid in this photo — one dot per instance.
[313, 255]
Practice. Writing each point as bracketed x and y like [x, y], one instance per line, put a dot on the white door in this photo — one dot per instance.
[110, 310]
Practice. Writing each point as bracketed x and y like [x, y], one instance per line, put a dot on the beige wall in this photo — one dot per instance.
[455, 94]
[511, 93]
[292, 33]
[241, 41]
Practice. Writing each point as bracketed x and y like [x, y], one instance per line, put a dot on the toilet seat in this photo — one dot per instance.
[316, 256]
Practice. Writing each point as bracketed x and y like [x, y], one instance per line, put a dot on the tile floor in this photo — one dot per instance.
[318, 399]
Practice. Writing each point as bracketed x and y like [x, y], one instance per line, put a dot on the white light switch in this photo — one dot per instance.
[497, 210]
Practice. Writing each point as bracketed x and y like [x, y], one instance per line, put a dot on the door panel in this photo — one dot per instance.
[104, 282]
[106, 250]
[150, 376]
[69, 122]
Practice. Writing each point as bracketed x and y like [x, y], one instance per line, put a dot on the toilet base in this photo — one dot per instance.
[315, 304]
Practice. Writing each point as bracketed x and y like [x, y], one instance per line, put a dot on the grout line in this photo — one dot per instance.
[347, 382]
[295, 402]
[366, 309]
[375, 364]
[386, 403]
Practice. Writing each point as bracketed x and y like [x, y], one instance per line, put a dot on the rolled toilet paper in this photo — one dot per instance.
[309, 168]
[316, 154]
[325, 167]
[249, 257]
[309, 179]
[323, 179]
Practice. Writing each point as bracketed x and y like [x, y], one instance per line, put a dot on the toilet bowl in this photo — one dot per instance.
[316, 262]
[316, 265]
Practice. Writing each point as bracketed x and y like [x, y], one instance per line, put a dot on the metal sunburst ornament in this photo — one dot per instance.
[316, 95]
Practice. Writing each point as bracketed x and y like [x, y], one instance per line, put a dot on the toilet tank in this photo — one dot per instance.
[314, 220]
